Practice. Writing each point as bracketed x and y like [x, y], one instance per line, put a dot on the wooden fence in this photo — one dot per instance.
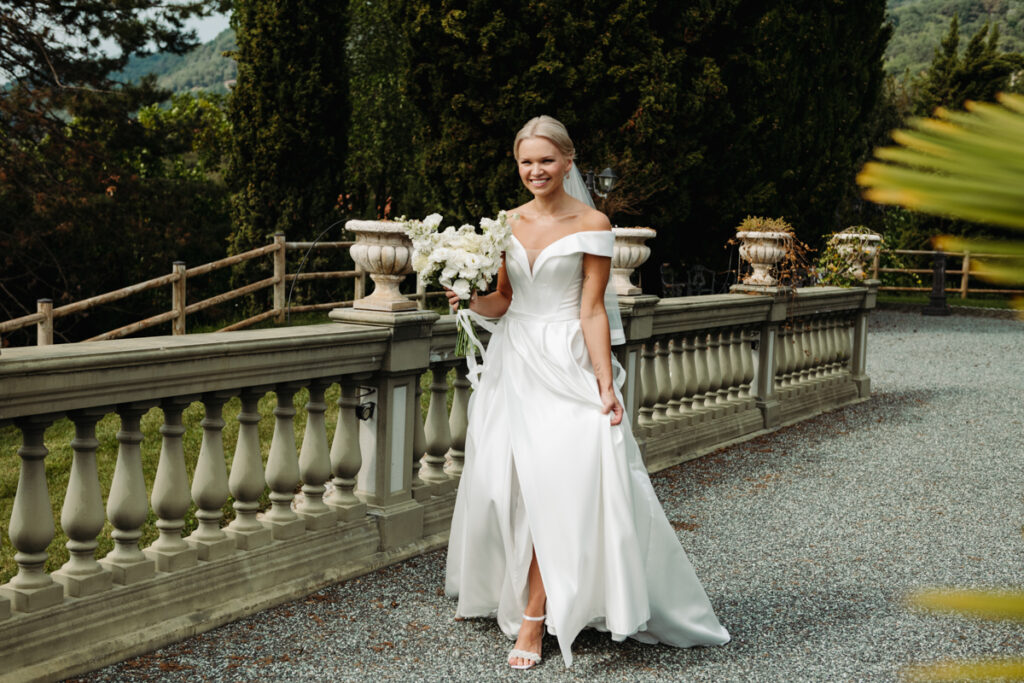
[178, 280]
[965, 272]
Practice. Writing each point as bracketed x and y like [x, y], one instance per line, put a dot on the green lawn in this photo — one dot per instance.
[951, 299]
[58, 462]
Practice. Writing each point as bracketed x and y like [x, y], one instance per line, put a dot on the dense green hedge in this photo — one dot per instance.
[709, 110]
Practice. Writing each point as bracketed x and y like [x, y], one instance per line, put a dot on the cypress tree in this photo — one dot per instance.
[978, 74]
[289, 112]
[384, 123]
[714, 109]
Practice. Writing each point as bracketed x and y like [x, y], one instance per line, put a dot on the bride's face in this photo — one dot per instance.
[542, 166]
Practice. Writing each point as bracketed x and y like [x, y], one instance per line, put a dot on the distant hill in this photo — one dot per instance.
[920, 25]
[204, 68]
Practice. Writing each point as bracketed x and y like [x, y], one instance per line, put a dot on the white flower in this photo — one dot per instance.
[459, 258]
[461, 288]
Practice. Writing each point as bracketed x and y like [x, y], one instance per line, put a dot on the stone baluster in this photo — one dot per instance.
[315, 461]
[779, 358]
[662, 375]
[725, 366]
[436, 429]
[837, 344]
[845, 344]
[714, 373]
[737, 347]
[787, 348]
[825, 344]
[458, 421]
[246, 482]
[283, 468]
[794, 345]
[82, 516]
[691, 384]
[700, 341]
[170, 498]
[747, 337]
[676, 379]
[808, 350]
[805, 359]
[817, 355]
[421, 490]
[210, 484]
[31, 527]
[346, 456]
[127, 507]
[648, 387]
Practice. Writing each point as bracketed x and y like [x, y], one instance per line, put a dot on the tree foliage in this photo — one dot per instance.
[84, 211]
[384, 123]
[981, 71]
[919, 25]
[715, 110]
[289, 114]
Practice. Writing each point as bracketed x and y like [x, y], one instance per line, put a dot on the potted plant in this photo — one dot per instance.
[846, 256]
[764, 242]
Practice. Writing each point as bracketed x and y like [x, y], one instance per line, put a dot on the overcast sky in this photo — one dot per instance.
[208, 28]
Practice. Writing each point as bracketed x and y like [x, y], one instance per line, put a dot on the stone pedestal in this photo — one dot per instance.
[386, 439]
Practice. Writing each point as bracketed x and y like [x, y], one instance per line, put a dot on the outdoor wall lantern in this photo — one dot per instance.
[603, 183]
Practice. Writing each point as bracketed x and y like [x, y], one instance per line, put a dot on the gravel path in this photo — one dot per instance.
[807, 541]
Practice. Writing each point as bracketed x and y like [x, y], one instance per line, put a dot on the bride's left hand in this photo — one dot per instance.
[610, 404]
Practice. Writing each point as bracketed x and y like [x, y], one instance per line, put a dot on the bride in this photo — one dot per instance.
[555, 518]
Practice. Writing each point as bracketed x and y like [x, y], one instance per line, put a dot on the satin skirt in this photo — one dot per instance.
[545, 470]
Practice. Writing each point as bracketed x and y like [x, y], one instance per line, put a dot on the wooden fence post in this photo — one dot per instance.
[280, 266]
[178, 298]
[966, 274]
[359, 284]
[44, 328]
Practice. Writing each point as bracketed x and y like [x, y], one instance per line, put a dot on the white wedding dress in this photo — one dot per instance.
[545, 469]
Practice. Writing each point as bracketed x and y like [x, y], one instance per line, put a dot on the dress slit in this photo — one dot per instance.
[521, 574]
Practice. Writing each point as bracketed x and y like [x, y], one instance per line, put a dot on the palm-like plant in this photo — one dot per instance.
[966, 165]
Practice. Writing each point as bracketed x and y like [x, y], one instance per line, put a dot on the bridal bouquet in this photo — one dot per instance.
[461, 259]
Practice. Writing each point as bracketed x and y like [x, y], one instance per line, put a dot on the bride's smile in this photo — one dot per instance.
[542, 165]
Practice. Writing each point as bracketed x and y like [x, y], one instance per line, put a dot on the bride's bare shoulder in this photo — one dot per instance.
[518, 211]
[593, 220]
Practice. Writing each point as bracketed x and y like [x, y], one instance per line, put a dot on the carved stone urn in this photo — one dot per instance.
[763, 250]
[384, 251]
[858, 249]
[630, 253]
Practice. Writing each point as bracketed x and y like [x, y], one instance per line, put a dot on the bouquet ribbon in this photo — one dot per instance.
[464, 322]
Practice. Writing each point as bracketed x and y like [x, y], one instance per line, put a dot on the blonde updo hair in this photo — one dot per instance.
[545, 127]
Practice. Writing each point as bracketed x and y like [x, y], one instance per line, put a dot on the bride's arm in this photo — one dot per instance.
[594, 323]
[491, 305]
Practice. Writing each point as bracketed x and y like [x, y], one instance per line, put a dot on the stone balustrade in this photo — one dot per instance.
[701, 372]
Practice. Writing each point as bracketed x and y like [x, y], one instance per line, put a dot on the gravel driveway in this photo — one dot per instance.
[807, 540]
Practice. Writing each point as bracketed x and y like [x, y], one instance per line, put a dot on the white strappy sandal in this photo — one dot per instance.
[533, 658]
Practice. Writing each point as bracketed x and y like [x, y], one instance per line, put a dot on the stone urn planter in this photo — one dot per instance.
[858, 249]
[384, 251]
[763, 250]
[630, 253]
